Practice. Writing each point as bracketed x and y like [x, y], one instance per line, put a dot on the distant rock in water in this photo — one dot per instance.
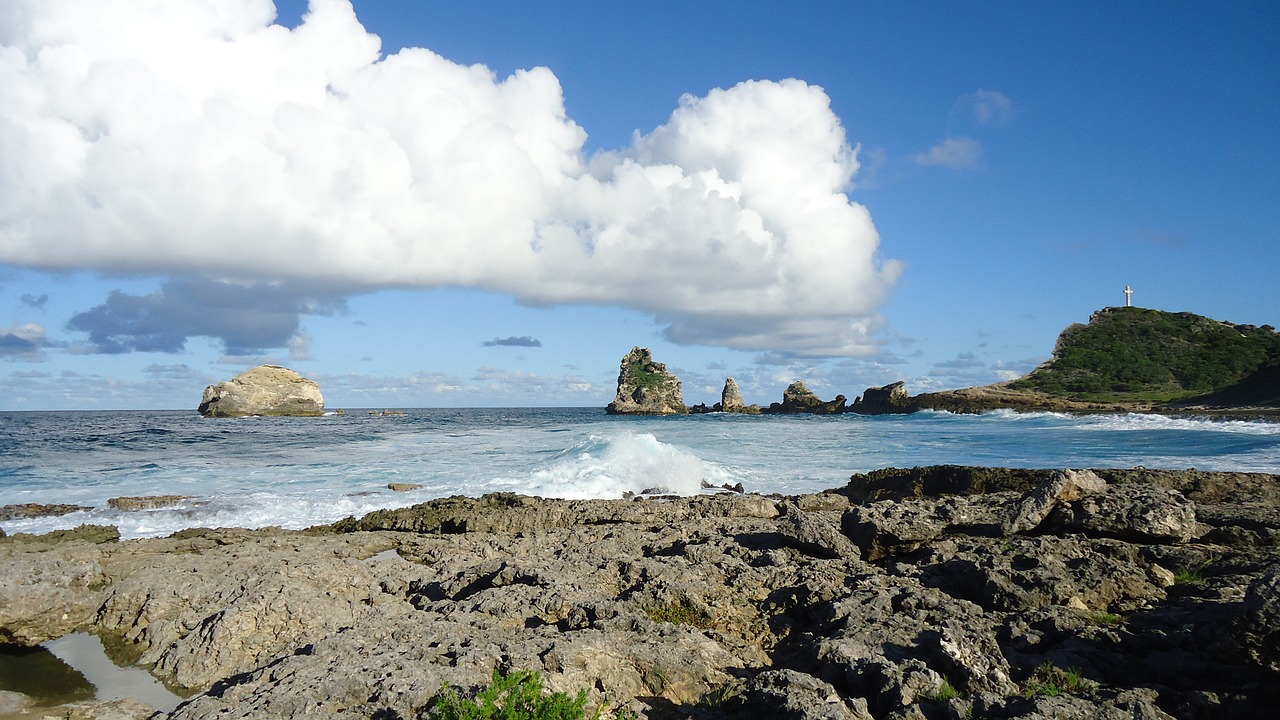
[147, 502]
[646, 387]
[798, 398]
[264, 390]
[891, 398]
[25, 511]
[731, 400]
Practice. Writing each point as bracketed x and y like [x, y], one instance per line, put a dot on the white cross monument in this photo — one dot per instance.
[1128, 296]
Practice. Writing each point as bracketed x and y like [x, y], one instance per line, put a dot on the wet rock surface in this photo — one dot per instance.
[942, 592]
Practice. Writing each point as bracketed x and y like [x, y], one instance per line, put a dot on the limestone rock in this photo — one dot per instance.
[646, 387]
[146, 502]
[891, 398]
[1133, 513]
[814, 535]
[264, 390]
[798, 398]
[1066, 486]
[731, 397]
[34, 510]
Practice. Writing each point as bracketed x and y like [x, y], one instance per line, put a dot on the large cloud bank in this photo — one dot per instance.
[139, 136]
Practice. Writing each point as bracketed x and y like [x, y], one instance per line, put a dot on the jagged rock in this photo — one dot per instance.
[646, 387]
[814, 534]
[1134, 513]
[793, 695]
[403, 487]
[887, 528]
[798, 398]
[1258, 629]
[146, 502]
[891, 398]
[264, 390]
[1065, 486]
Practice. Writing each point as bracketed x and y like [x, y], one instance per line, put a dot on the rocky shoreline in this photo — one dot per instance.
[941, 592]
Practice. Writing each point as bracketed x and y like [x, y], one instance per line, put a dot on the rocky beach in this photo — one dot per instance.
[937, 592]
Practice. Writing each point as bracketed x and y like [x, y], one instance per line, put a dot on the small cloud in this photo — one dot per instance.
[717, 365]
[962, 361]
[522, 341]
[773, 357]
[300, 346]
[955, 153]
[23, 342]
[986, 107]
[1160, 238]
[179, 371]
[35, 302]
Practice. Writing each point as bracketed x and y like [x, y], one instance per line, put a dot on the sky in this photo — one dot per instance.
[475, 204]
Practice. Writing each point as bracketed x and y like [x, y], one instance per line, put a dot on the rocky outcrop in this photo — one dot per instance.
[935, 592]
[646, 387]
[22, 511]
[731, 397]
[146, 502]
[798, 398]
[891, 398]
[264, 390]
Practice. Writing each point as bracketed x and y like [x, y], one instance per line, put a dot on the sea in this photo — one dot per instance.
[299, 472]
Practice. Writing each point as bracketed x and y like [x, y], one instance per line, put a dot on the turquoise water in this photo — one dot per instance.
[296, 472]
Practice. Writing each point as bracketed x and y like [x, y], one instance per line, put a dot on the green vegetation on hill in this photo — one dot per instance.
[1130, 353]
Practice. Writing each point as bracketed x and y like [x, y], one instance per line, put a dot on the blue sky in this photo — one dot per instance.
[841, 192]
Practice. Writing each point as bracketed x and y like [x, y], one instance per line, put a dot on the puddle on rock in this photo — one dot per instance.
[75, 668]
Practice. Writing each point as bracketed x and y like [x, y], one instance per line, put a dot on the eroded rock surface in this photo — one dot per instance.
[942, 592]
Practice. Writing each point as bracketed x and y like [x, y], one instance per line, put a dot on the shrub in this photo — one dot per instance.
[945, 692]
[518, 696]
[1050, 680]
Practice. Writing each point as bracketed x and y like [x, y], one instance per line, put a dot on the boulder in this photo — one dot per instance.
[646, 387]
[264, 390]
[798, 398]
[891, 398]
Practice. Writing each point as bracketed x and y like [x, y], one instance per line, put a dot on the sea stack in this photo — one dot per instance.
[264, 390]
[646, 388]
[731, 397]
[731, 400]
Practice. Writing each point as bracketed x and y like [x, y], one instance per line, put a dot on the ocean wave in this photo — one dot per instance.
[1144, 421]
[609, 465]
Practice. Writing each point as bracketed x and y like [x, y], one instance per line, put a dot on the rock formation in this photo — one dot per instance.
[731, 400]
[936, 592]
[264, 390]
[891, 398]
[731, 397]
[646, 387]
[798, 398]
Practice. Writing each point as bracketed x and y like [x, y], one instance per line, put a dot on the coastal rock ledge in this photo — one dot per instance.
[930, 593]
[264, 390]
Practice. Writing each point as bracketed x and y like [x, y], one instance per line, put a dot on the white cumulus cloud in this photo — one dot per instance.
[199, 137]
